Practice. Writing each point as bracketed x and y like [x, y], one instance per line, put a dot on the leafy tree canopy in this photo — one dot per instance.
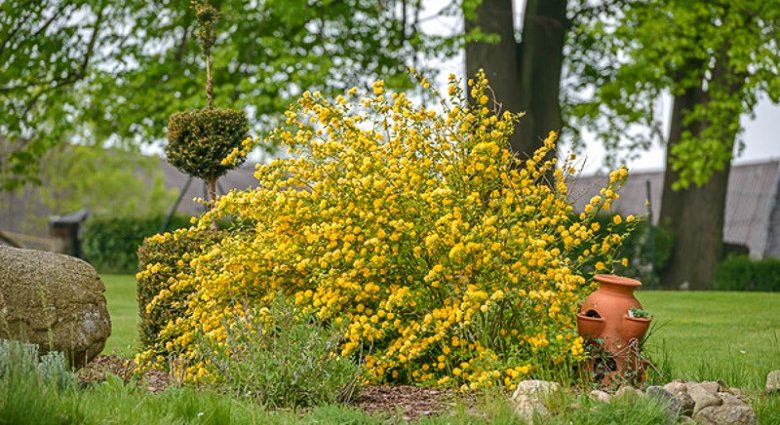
[727, 51]
[94, 71]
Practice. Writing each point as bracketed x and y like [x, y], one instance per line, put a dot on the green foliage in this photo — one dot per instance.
[110, 182]
[30, 388]
[79, 76]
[639, 250]
[740, 273]
[199, 140]
[47, 49]
[110, 243]
[767, 408]
[719, 56]
[170, 256]
[283, 360]
[639, 313]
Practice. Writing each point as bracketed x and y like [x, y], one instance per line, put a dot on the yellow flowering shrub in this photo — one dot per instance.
[448, 260]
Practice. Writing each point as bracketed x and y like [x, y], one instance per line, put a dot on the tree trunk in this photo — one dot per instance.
[696, 215]
[212, 201]
[499, 61]
[544, 33]
[524, 76]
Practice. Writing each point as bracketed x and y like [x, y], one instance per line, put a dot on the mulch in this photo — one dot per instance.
[404, 401]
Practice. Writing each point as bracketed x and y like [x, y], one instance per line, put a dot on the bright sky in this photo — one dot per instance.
[761, 136]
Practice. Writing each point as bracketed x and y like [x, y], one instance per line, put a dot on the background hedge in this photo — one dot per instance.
[110, 244]
[740, 273]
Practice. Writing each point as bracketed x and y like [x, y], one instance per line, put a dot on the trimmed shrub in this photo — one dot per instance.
[447, 259]
[163, 259]
[740, 273]
[199, 141]
[110, 244]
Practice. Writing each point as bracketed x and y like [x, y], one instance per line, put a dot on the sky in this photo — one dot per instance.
[761, 133]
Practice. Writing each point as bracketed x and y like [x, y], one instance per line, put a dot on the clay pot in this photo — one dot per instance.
[635, 327]
[590, 327]
[604, 317]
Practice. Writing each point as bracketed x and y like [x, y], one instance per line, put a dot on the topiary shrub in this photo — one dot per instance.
[448, 260]
[740, 273]
[110, 243]
[199, 141]
[163, 260]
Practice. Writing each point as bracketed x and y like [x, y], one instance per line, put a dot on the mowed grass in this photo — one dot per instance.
[120, 296]
[734, 336]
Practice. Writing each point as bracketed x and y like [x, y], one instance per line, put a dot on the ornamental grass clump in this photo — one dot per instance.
[447, 259]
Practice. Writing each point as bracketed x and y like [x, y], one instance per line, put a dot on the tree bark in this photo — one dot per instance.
[544, 33]
[212, 188]
[525, 76]
[499, 61]
[696, 215]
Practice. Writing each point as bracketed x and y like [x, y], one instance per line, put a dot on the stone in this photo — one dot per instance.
[672, 404]
[736, 391]
[711, 387]
[686, 403]
[529, 398]
[702, 398]
[627, 391]
[727, 414]
[773, 381]
[54, 301]
[730, 399]
[601, 396]
[676, 387]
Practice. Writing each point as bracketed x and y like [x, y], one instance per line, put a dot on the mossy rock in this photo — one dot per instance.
[55, 301]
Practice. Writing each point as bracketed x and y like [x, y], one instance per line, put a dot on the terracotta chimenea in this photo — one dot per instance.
[605, 319]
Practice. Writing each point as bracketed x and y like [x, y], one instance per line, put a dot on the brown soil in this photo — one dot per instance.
[96, 371]
[408, 402]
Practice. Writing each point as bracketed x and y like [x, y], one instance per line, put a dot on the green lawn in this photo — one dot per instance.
[706, 335]
[734, 336]
[120, 295]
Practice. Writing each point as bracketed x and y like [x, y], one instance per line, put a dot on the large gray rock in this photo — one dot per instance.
[55, 301]
[726, 414]
[702, 397]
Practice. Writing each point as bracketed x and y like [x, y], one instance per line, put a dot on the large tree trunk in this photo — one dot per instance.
[499, 61]
[525, 76]
[696, 215]
[544, 32]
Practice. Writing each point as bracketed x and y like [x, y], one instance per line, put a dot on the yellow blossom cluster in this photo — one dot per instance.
[447, 259]
[239, 153]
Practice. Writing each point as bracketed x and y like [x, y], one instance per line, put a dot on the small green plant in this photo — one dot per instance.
[33, 390]
[282, 359]
[638, 313]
